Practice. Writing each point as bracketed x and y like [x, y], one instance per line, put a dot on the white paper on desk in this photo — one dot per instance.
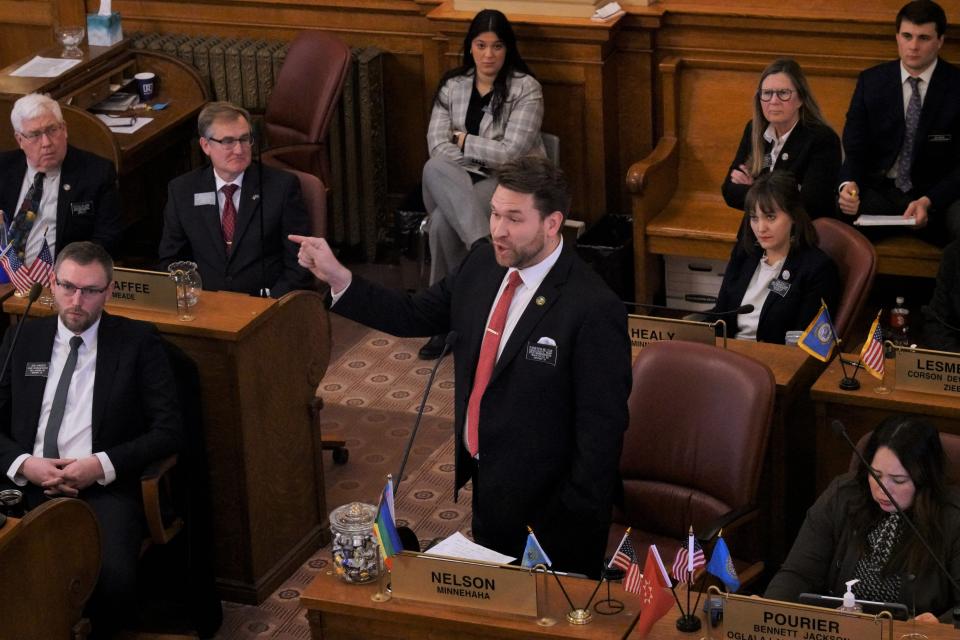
[104, 8]
[120, 125]
[45, 67]
[884, 221]
[458, 546]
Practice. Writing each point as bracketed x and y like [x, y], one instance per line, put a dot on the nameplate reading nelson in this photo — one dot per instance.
[928, 372]
[137, 289]
[758, 619]
[476, 585]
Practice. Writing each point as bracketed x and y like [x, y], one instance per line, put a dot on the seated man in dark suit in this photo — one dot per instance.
[51, 190]
[239, 241]
[89, 400]
[902, 135]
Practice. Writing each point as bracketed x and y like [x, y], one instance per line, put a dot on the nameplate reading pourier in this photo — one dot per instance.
[138, 289]
[747, 617]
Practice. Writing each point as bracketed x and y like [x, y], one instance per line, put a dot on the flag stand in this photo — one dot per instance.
[608, 606]
[383, 592]
[543, 621]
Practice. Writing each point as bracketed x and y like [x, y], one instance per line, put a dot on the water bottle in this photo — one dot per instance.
[900, 324]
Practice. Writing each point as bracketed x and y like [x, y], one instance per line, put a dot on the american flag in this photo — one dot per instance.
[626, 559]
[871, 356]
[680, 570]
[633, 581]
[22, 276]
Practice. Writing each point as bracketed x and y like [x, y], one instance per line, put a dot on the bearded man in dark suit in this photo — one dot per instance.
[542, 364]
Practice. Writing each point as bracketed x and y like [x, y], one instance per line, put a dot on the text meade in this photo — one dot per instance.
[467, 582]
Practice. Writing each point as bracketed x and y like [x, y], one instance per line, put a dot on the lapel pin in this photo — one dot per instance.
[785, 156]
[540, 301]
[255, 196]
[66, 187]
[785, 275]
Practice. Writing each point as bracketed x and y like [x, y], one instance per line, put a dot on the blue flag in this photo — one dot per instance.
[820, 337]
[721, 565]
[534, 554]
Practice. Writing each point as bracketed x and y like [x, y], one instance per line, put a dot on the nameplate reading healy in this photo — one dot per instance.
[150, 290]
[475, 585]
[757, 619]
[647, 329]
[928, 372]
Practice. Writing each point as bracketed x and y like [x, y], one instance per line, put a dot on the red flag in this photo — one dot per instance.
[655, 597]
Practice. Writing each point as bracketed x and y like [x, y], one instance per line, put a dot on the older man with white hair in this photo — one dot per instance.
[51, 190]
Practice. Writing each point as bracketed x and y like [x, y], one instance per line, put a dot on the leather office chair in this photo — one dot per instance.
[50, 561]
[856, 261]
[951, 451]
[303, 101]
[693, 452]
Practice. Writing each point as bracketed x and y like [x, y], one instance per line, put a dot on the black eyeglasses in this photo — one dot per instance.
[33, 136]
[230, 143]
[69, 288]
[784, 94]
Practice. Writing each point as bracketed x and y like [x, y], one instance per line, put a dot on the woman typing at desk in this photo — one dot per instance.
[854, 531]
[787, 133]
[776, 265]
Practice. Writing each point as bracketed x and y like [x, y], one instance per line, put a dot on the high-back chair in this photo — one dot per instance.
[303, 101]
[856, 261]
[692, 455]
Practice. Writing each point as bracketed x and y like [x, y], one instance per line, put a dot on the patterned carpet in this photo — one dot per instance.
[371, 393]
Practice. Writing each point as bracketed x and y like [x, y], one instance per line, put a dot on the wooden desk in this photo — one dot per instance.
[260, 362]
[862, 410]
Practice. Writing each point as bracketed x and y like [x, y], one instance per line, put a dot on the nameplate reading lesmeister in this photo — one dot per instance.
[928, 371]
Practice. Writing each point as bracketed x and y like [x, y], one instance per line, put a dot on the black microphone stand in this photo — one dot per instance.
[264, 289]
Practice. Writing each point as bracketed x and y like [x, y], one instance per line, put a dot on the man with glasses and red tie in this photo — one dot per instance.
[88, 401]
[233, 217]
[901, 140]
[51, 191]
[542, 367]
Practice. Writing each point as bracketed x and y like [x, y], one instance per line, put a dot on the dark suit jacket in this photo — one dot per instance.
[941, 318]
[192, 232]
[551, 433]
[136, 415]
[825, 554]
[811, 154]
[812, 277]
[874, 132]
[88, 205]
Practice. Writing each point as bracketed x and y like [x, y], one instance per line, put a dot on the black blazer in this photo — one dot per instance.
[552, 431]
[874, 132]
[136, 414]
[192, 232]
[941, 318]
[812, 276]
[811, 154]
[88, 204]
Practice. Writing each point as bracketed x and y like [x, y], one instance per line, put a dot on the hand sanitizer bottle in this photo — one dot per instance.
[850, 604]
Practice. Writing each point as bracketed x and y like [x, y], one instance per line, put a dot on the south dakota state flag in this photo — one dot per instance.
[820, 337]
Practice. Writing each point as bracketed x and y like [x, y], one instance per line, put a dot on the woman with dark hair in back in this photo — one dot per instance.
[853, 531]
[787, 133]
[776, 265]
[485, 112]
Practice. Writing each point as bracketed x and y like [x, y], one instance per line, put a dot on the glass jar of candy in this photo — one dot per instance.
[356, 557]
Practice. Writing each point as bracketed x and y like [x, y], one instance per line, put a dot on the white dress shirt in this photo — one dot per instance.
[221, 198]
[75, 439]
[46, 222]
[770, 135]
[756, 294]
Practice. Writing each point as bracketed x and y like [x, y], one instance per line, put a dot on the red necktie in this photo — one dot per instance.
[488, 358]
[229, 220]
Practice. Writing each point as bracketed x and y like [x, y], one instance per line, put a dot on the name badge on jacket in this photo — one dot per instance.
[940, 137]
[36, 370]
[779, 287]
[81, 208]
[545, 350]
[205, 198]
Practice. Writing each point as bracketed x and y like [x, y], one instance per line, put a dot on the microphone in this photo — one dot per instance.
[840, 431]
[447, 346]
[265, 288]
[35, 292]
[746, 308]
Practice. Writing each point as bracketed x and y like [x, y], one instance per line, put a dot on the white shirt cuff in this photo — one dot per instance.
[109, 473]
[336, 296]
[13, 472]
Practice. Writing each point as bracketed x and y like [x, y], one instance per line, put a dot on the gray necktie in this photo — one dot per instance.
[50, 448]
[905, 164]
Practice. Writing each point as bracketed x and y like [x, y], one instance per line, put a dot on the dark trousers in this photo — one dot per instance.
[885, 199]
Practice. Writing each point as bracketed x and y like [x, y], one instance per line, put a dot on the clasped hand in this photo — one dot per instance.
[62, 476]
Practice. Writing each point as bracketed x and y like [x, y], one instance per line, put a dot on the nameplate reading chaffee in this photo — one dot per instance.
[461, 583]
[150, 290]
[928, 371]
[758, 619]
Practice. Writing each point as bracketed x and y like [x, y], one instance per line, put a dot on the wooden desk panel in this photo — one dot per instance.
[862, 410]
[260, 362]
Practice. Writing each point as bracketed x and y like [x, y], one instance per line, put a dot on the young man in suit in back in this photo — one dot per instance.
[902, 135]
[542, 369]
[215, 215]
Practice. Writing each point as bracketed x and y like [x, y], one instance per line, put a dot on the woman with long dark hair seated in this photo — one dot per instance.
[485, 112]
[854, 531]
[776, 265]
[787, 133]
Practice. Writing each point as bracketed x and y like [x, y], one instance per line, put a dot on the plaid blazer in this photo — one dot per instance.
[517, 133]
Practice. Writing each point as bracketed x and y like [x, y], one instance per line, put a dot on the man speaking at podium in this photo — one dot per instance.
[542, 368]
